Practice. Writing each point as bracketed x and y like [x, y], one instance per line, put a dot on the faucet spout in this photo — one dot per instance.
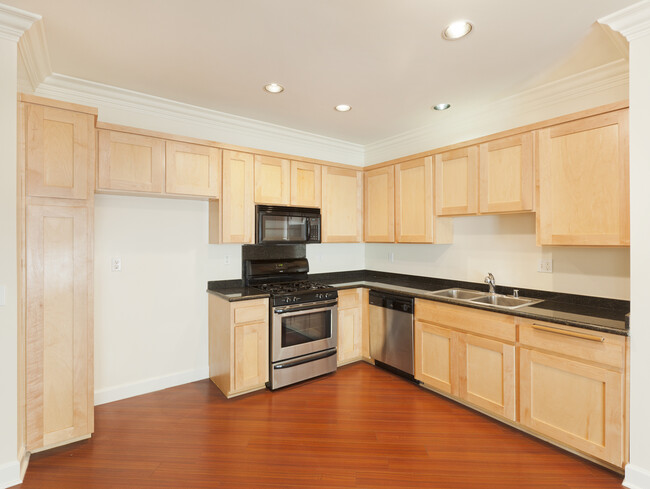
[491, 282]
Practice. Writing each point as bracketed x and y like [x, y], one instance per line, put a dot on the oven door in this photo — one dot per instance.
[301, 329]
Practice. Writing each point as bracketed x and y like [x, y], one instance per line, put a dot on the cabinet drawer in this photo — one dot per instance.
[251, 311]
[593, 346]
[349, 298]
[485, 323]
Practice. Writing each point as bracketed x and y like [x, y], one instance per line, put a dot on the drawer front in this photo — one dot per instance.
[251, 311]
[485, 323]
[584, 344]
[349, 298]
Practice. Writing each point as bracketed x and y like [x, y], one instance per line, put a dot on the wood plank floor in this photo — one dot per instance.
[360, 427]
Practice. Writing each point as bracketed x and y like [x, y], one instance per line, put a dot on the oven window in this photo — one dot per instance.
[304, 328]
[284, 228]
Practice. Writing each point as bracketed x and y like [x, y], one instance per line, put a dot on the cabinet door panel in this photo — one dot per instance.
[305, 184]
[342, 213]
[434, 357]
[456, 182]
[575, 403]
[238, 211]
[379, 205]
[272, 178]
[251, 344]
[192, 169]
[60, 152]
[349, 326]
[59, 367]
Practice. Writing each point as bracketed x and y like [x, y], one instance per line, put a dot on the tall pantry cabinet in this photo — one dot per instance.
[56, 189]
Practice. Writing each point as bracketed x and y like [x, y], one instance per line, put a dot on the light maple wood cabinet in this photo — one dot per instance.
[272, 180]
[434, 354]
[238, 344]
[192, 169]
[130, 162]
[306, 184]
[456, 177]
[583, 178]
[342, 211]
[350, 326]
[506, 174]
[415, 220]
[379, 205]
[237, 207]
[60, 153]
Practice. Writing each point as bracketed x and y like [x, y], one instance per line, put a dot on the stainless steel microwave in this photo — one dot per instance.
[277, 224]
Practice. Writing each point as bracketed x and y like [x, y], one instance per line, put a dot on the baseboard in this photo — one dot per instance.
[636, 477]
[10, 474]
[146, 386]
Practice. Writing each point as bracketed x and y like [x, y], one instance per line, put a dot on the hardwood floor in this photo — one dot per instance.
[361, 427]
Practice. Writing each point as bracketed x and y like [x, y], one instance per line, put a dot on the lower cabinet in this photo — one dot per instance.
[434, 357]
[350, 326]
[238, 344]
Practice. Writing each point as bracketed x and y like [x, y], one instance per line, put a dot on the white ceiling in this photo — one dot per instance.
[385, 58]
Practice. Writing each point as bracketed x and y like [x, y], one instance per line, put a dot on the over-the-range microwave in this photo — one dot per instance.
[290, 225]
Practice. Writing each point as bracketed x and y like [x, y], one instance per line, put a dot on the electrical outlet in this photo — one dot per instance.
[545, 266]
[391, 257]
[116, 264]
[226, 259]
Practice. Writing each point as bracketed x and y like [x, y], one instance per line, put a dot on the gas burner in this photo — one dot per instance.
[290, 287]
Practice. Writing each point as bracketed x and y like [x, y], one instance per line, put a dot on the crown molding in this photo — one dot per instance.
[219, 126]
[633, 21]
[546, 101]
[35, 55]
[14, 22]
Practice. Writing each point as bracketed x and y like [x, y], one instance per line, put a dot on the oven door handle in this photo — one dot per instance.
[313, 306]
[307, 359]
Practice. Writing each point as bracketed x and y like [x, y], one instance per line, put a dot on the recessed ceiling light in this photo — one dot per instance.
[441, 107]
[342, 108]
[456, 30]
[274, 88]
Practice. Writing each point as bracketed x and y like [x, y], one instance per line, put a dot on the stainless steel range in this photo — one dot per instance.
[303, 319]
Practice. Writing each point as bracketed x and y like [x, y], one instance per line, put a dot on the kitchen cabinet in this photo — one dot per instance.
[237, 207]
[306, 185]
[130, 162]
[379, 205]
[272, 180]
[456, 178]
[434, 356]
[238, 344]
[415, 220]
[192, 169]
[60, 151]
[342, 211]
[583, 178]
[506, 175]
[350, 325]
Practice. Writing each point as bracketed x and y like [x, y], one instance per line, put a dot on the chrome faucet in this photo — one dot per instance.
[490, 281]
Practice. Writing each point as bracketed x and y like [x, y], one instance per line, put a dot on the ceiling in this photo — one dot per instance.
[385, 58]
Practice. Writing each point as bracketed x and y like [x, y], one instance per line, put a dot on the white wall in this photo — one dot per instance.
[505, 246]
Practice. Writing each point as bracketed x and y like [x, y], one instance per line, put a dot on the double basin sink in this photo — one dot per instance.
[498, 301]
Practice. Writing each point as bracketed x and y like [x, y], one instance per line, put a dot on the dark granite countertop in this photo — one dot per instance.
[595, 313]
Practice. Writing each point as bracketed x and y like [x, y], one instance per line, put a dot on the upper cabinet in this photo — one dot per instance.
[379, 205]
[192, 169]
[60, 152]
[415, 221]
[130, 162]
[506, 175]
[272, 178]
[583, 178]
[342, 205]
[457, 182]
[305, 184]
[237, 207]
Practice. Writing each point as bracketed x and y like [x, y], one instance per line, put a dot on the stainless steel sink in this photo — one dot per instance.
[504, 301]
[461, 294]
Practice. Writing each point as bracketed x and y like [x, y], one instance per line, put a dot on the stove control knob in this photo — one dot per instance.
[319, 296]
[296, 299]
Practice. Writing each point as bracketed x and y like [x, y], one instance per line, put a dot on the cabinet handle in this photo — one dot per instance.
[564, 332]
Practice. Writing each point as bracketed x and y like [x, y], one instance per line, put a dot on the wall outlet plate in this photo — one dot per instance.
[545, 266]
[116, 264]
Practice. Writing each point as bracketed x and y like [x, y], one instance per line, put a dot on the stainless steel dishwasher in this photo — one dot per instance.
[391, 331]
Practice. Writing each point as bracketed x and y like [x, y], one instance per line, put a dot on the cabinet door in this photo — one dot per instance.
[305, 184]
[192, 169]
[350, 325]
[238, 210]
[130, 162]
[59, 366]
[573, 402]
[486, 370]
[60, 152]
[272, 176]
[342, 205]
[435, 364]
[379, 221]
[506, 175]
[584, 182]
[456, 182]
[251, 356]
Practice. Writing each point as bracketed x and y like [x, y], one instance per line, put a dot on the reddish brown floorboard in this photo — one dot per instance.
[361, 427]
